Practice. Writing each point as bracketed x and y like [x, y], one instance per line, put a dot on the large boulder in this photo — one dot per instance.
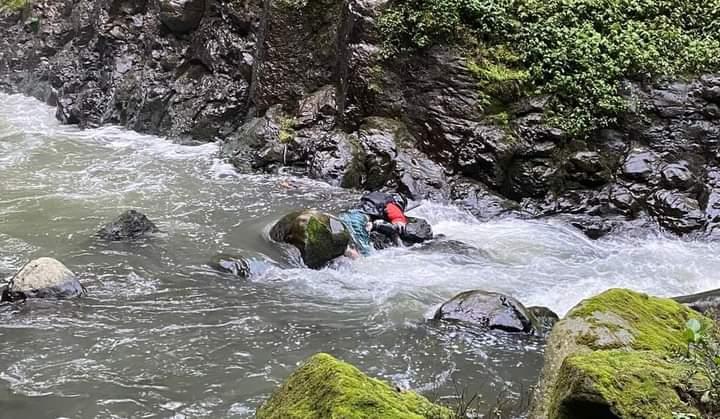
[319, 237]
[42, 278]
[129, 225]
[324, 387]
[488, 310]
[616, 356]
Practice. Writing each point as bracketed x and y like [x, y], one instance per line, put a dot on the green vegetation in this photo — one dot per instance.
[287, 130]
[703, 357]
[578, 51]
[325, 387]
[11, 6]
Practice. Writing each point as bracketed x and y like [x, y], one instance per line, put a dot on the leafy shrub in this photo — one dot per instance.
[579, 51]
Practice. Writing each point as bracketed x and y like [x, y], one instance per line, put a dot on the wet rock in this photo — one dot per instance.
[381, 241]
[42, 278]
[593, 227]
[236, 265]
[319, 237]
[707, 303]
[129, 225]
[639, 165]
[181, 16]
[488, 310]
[442, 245]
[479, 200]
[676, 211]
[587, 168]
[531, 178]
[620, 334]
[417, 230]
[678, 176]
[546, 318]
[324, 387]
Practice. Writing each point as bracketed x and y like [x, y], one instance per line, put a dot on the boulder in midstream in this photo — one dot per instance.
[490, 310]
[129, 225]
[42, 278]
[319, 237]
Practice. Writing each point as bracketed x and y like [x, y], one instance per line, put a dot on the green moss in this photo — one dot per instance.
[654, 323]
[330, 389]
[636, 384]
[12, 5]
[287, 130]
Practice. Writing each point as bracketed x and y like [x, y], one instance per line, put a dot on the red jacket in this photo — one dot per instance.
[394, 213]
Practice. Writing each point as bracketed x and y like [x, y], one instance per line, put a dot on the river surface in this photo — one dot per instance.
[162, 335]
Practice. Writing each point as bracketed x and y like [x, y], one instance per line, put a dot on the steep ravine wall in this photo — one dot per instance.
[305, 84]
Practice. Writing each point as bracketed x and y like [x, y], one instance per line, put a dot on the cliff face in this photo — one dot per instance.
[304, 84]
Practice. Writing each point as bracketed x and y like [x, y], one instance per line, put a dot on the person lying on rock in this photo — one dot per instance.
[378, 211]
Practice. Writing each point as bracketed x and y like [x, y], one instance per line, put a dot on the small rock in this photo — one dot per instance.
[235, 265]
[417, 231]
[43, 278]
[546, 318]
[488, 310]
[639, 165]
[707, 303]
[129, 225]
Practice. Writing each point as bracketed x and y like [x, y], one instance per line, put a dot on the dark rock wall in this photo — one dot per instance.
[303, 83]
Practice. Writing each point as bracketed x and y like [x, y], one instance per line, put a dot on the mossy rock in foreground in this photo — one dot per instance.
[319, 237]
[618, 353]
[326, 388]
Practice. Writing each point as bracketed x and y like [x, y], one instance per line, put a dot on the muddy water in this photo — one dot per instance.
[163, 335]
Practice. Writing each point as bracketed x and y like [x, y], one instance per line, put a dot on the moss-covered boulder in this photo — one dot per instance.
[327, 388]
[616, 355]
[319, 237]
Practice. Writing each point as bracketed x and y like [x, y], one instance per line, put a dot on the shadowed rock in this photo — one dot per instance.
[129, 225]
[42, 278]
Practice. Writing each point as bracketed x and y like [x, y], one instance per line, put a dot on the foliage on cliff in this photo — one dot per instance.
[10, 6]
[579, 51]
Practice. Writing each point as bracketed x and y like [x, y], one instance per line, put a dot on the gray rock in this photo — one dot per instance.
[488, 310]
[235, 265]
[639, 165]
[43, 278]
[129, 225]
[181, 16]
[546, 318]
[676, 211]
[417, 230]
[707, 302]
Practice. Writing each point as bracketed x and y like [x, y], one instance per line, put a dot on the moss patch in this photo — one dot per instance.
[655, 323]
[636, 384]
[327, 388]
[12, 5]
[287, 130]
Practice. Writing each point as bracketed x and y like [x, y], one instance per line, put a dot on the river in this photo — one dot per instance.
[161, 334]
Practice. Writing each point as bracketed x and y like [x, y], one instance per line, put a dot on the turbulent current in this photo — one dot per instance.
[161, 334]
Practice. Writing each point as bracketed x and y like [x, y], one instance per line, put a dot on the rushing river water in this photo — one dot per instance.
[162, 335]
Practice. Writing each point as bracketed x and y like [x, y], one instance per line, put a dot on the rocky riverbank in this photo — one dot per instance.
[306, 85]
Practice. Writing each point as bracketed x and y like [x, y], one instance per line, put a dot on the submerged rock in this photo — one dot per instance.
[489, 310]
[129, 225]
[612, 357]
[236, 265]
[324, 387]
[319, 237]
[42, 278]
